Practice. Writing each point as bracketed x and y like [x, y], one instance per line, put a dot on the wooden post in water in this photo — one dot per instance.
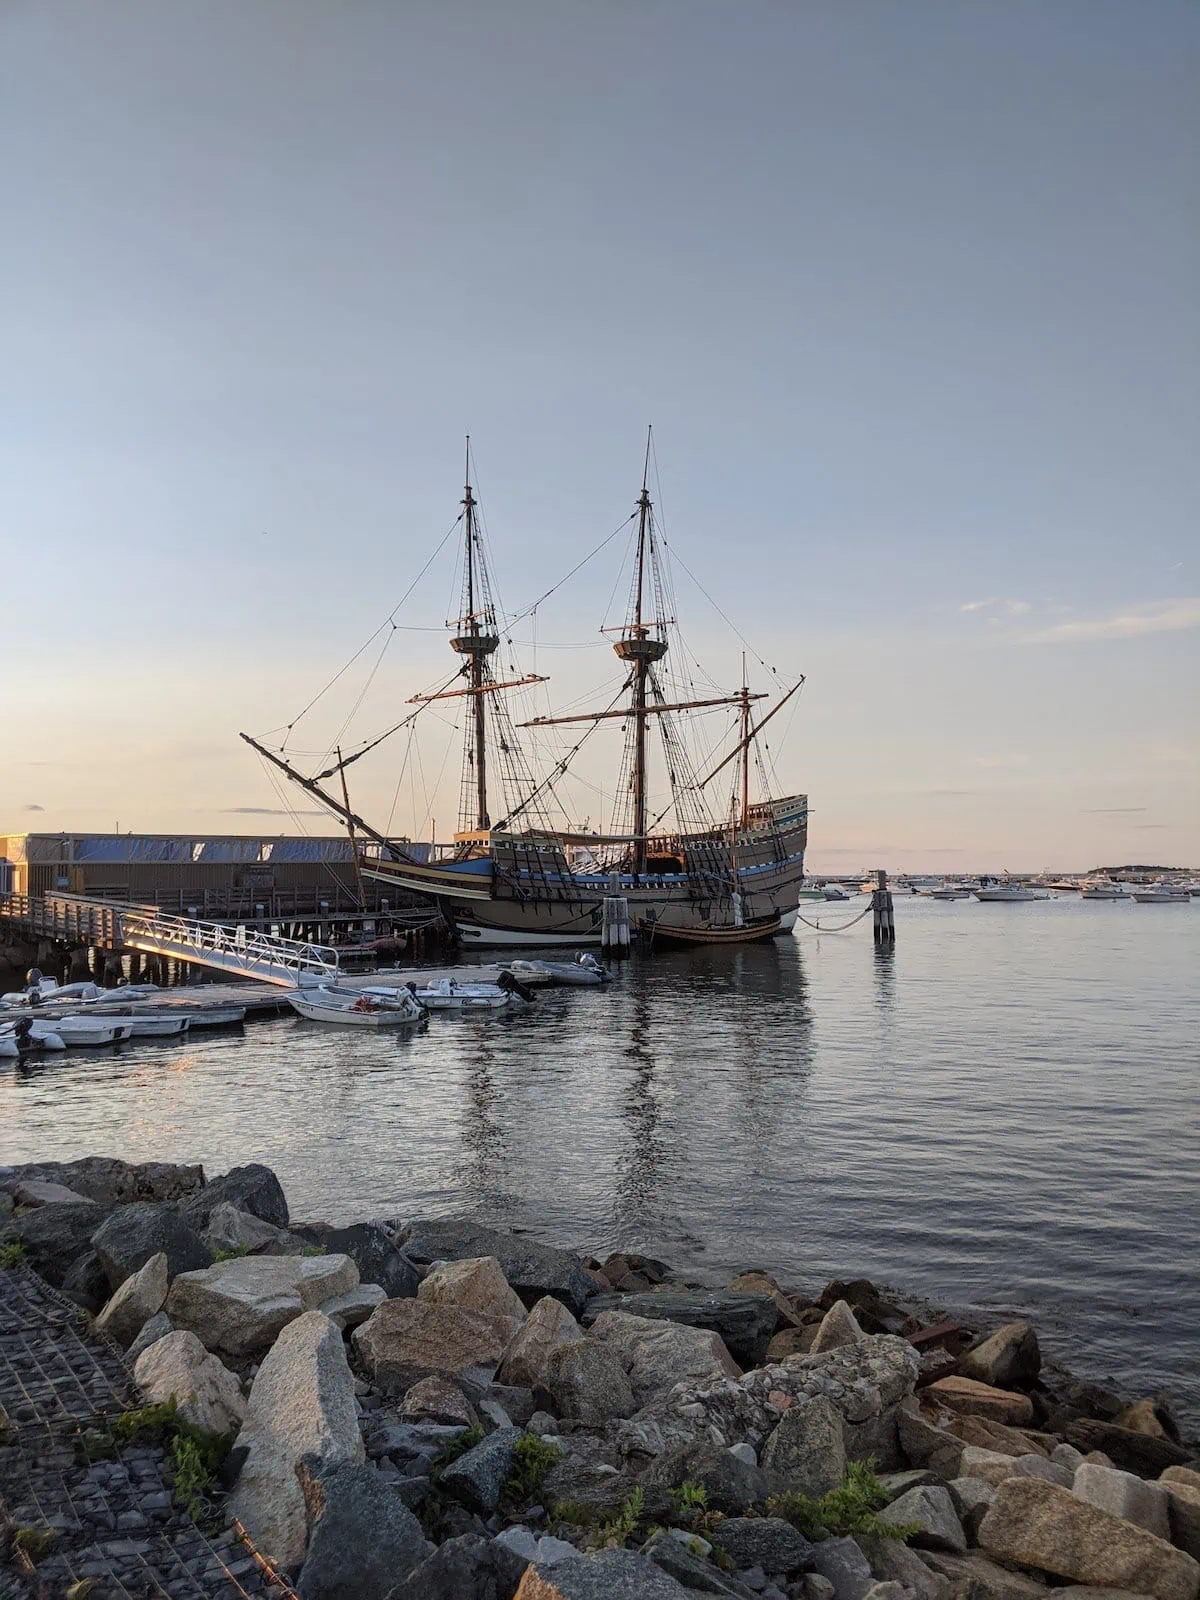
[614, 931]
[881, 903]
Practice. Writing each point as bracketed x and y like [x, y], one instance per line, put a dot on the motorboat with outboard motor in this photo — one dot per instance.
[25, 1037]
[584, 972]
[446, 994]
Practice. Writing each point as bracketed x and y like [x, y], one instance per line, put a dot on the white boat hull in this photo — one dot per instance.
[1161, 897]
[347, 1017]
[81, 1033]
[473, 933]
[159, 1027]
[1009, 896]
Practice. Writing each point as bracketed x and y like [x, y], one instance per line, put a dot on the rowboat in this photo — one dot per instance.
[356, 1008]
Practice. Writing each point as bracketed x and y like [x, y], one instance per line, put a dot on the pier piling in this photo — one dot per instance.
[881, 904]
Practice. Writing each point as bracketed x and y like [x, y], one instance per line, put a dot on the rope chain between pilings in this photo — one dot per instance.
[845, 925]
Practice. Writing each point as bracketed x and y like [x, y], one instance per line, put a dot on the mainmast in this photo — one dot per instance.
[477, 645]
[637, 647]
[745, 744]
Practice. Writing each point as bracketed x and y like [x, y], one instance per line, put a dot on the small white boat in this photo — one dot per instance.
[158, 1027]
[1161, 894]
[447, 995]
[215, 1016]
[834, 891]
[1010, 893]
[80, 1032]
[25, 1037]
[947, 891]
[1103, 891]
[358, 1008]
[584, 972]
[533, 973]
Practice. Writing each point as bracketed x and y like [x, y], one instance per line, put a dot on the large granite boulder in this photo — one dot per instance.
[685, 1563]
[526, 1358]
[362, 1539]
[745, 1322]
[252, 1188]
[924, 1444]
[930, 1509]
[407, 1340]
[806, 1453]
[588, 1382]
[53, 1237]
[766, 1542]
[658, 1355]
[731, 1484]
[1183, 1511]
[1041, 1525]
[109, 1182]
[438, 1400]
[301, 1404]
[974, 1399]
[477, 1476]
[41, 1192]
[86, 1282]
[158, 1327]
[1007, 1359]
[532, 1269]
[475, 1283]
[604, 1575]
[131, 1234]
[1131, 1451]
[839, 1326]
[369, 1245]
[843, 1563]
[239, 1233]
[135, 1302]
[208, 1395]
[1129, 1497]
[471, 1567]
[975, 1576]
[239, 1306]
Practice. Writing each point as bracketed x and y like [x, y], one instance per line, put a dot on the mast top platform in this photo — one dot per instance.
[476, 644]
[639, 646]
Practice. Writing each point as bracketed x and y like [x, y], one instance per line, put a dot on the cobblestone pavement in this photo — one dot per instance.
[113, 1521]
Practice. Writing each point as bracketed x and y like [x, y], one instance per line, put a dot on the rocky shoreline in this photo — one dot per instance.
[428, 1409]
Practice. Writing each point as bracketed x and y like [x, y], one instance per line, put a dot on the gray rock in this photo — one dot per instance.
[839, 1327]
[682, 1558]
[812, 1586]
[470, 1567]
[972, 1497]
[109, 1182]
[1038, 1524]
[976, 1577]
[517, 1402]
[252, 1188]
[603, 1576]
[843, 1563]
[767, 1542]
[745, 1452]
[232, 1230]
[477, 1477]
[532, 1269]
[889, 1590]
[157, 1328]
[41, 1192]
[440, 1401]
[658, 1355]
[240, 1306]
[1007, 1359]
[209, 1396]
[476, 1283]
[992, 1466]
[806, 1451]
[54, 1237]
[599, 1489]
[542, 1423]
[139, 1298]
[926, 1446]
[893, 1562]
[1128, 1497]
[407, 1340]
[1066, 1455]
[526, 1356]
[588, 1382]
[522, 1542]
[898, 1483]
[371, 1247]
[301, 1403]
[745, 1322]
[1183, 1512]
[351, 1309]
[931, 1510]
[731, 1486]
[411, 1440]
[86, 1282]
[128, 1237]
[362, 1539]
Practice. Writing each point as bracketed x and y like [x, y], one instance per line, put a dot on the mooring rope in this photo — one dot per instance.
[843, 927]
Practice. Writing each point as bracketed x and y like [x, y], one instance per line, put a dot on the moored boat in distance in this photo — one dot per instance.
[1162, 894]
[1009, 892]
[1103, 889]
[948, 891]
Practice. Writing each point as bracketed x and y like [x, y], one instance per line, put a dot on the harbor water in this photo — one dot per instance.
[1001, 1115]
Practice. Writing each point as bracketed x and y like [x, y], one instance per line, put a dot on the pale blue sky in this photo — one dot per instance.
[910, 291]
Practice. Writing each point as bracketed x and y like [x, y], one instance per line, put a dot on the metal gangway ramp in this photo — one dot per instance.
[241, 952]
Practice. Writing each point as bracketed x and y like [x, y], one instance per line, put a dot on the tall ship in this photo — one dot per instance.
[709, 858]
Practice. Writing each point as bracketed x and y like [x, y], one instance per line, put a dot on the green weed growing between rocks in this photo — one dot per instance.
[852, 1508]
[532, 1460]
[12, 1256]
[233, 1253]
[195, 1454]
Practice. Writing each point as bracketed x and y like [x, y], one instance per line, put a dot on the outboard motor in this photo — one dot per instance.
[22, 1033]
[514, 986]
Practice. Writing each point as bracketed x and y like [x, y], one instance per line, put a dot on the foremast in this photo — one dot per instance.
[478, 643]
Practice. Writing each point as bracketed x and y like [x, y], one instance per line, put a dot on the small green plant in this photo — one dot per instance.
[574, 1512]
[467, 1440]
[33, 1542]
[852, 1508]
[532, 1460]
[12, 1255]
[313, 1250]
[623, 1526]
[195, 1454]
[193, 1475]
[689, 1497]
[233, 1253]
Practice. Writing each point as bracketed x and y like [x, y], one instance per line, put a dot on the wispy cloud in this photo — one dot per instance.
[33, 807]
[268, 811]
[1111, 811]
[1154, 616]
[978, 605]
[1009, 608]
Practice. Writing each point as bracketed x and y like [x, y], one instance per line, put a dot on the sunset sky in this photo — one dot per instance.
[908, 292]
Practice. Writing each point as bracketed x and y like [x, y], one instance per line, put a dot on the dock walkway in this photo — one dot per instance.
[112, 1520]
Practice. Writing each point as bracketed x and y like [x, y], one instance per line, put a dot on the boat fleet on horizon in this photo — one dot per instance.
[1007, 889]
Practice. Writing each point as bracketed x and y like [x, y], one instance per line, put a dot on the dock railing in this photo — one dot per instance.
[241, 950]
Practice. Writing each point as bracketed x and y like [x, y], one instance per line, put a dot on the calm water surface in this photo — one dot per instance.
[1001, 1115]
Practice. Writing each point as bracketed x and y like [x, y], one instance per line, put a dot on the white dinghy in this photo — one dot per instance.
[448, 995]
[81, 1032]
[358, 1008]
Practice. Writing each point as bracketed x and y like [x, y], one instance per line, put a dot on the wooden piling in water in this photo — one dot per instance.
[881, 905]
